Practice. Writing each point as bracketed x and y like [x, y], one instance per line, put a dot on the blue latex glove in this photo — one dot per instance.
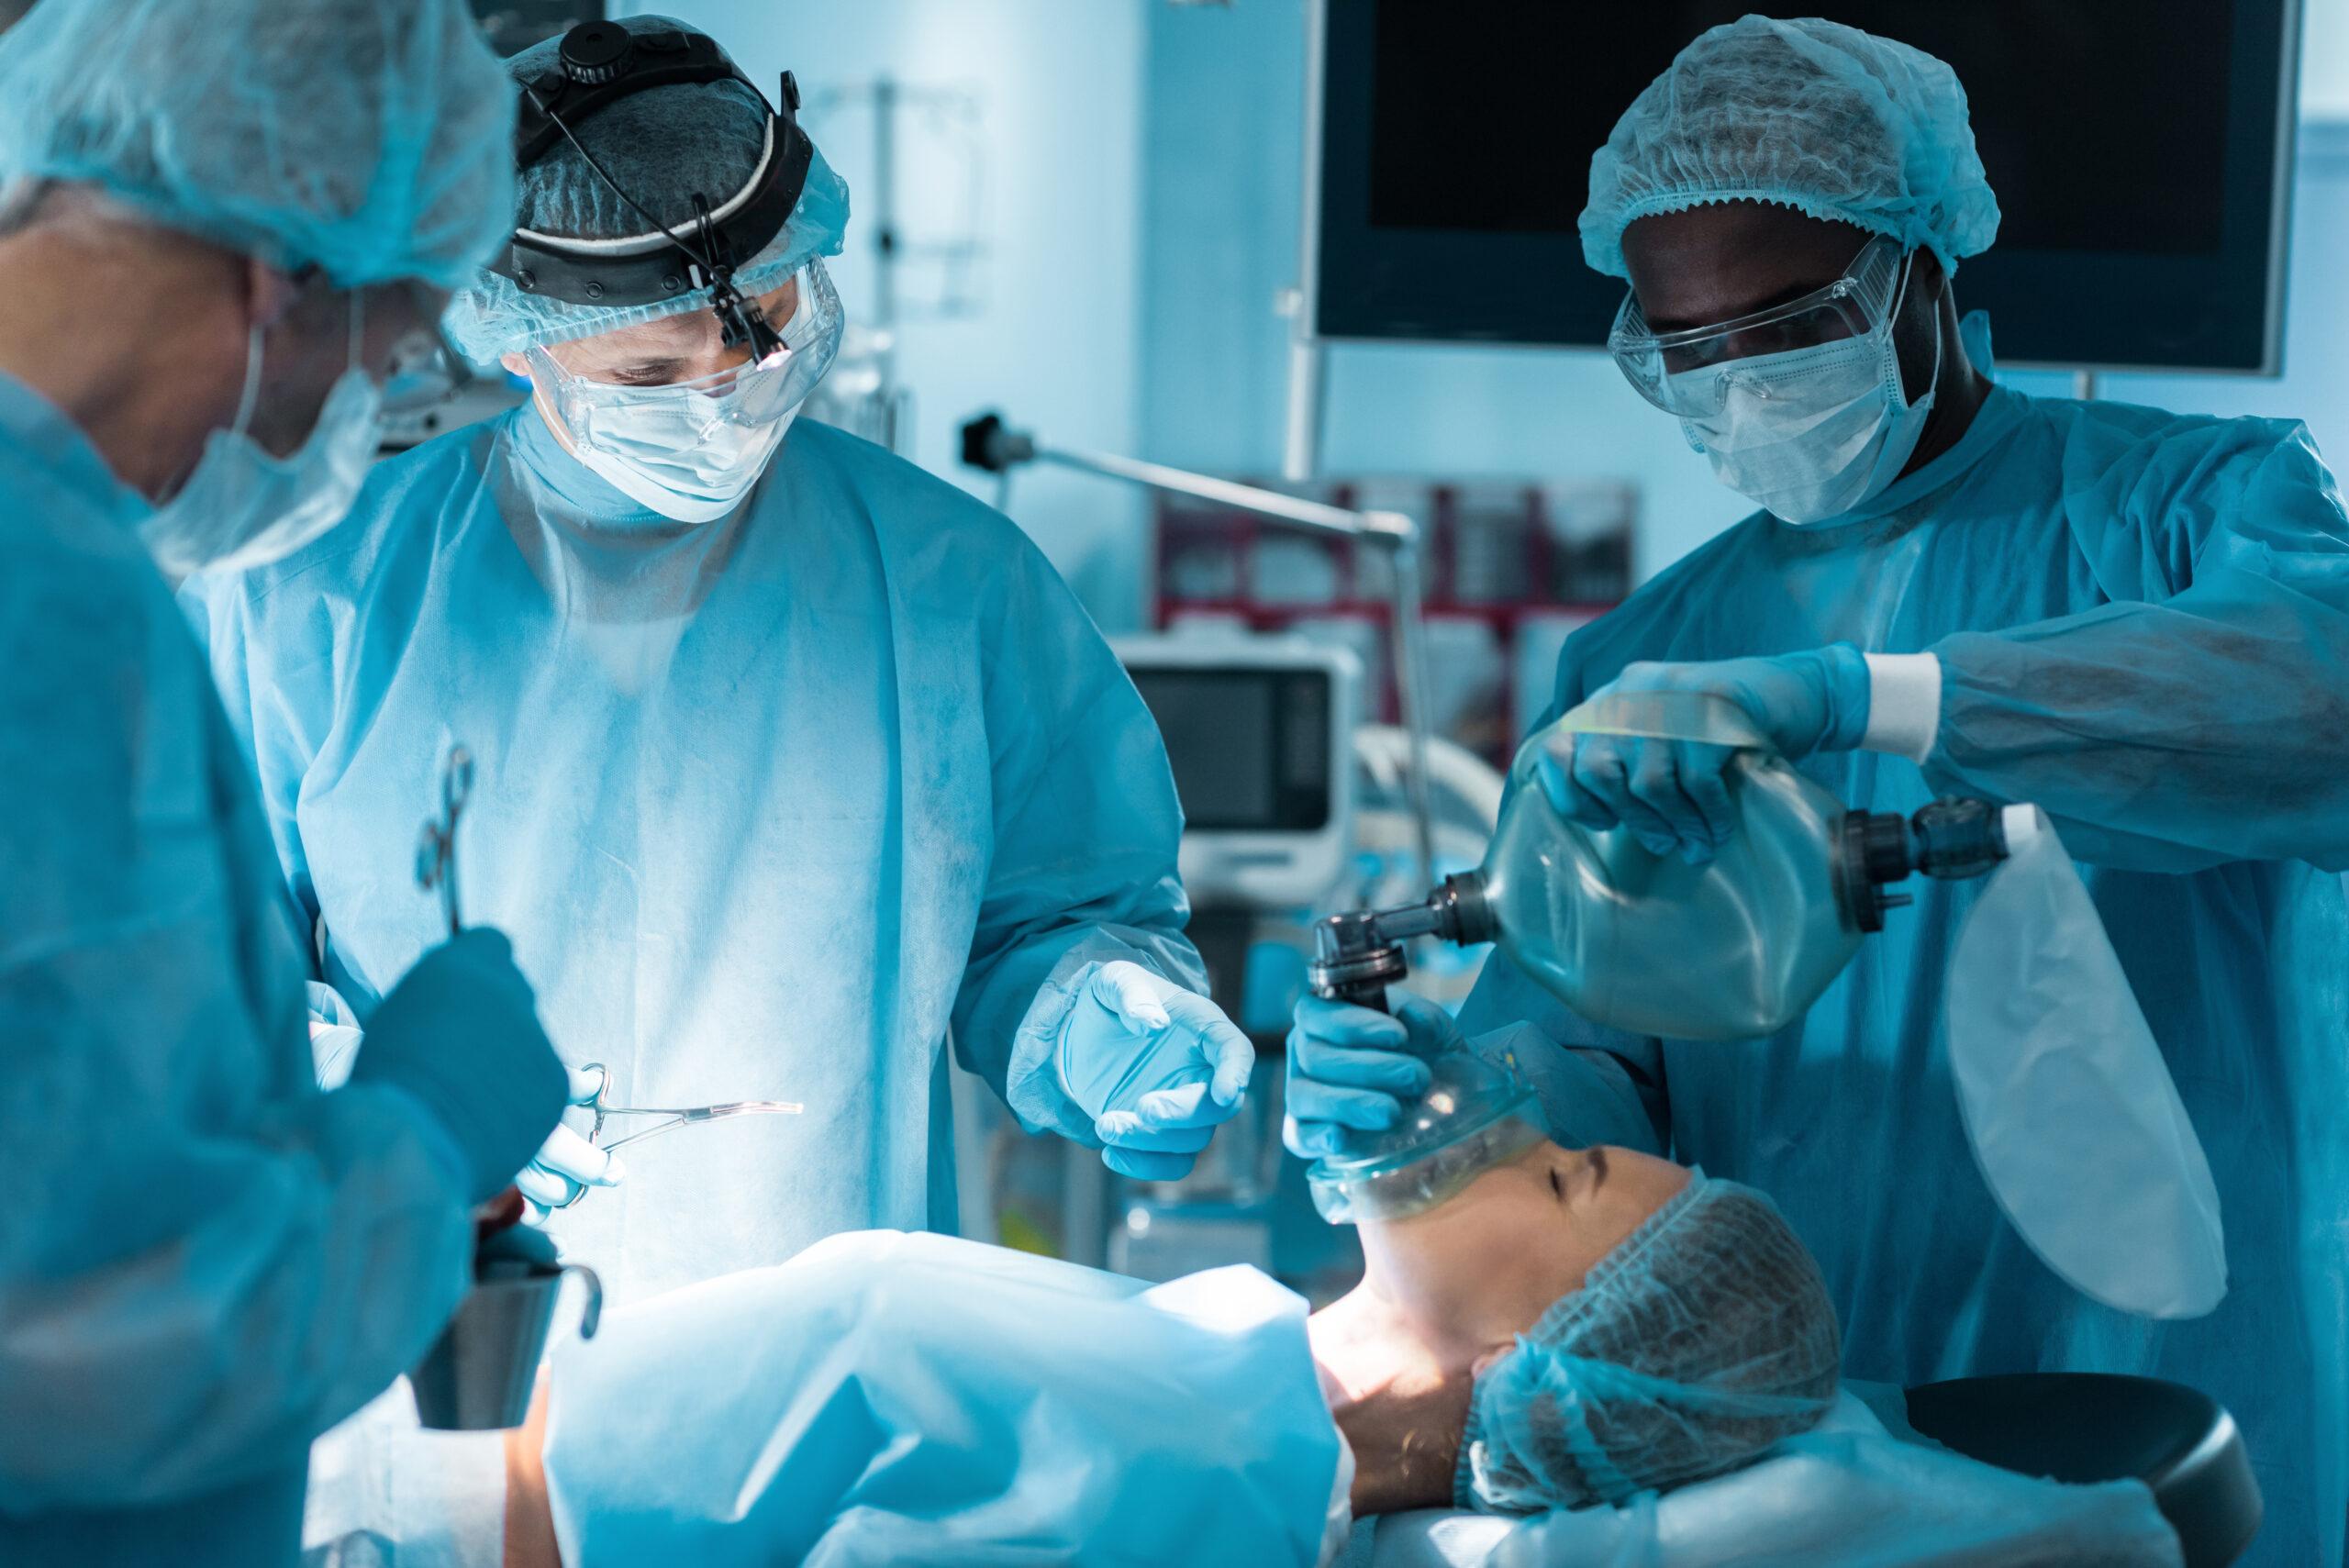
[567, 1164]
[460, 1033]
[1670, 793]
[1157, 1067]
[1353, 1068]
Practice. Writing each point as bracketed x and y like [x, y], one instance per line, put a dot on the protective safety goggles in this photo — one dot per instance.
[685, 412]
[1659, 364]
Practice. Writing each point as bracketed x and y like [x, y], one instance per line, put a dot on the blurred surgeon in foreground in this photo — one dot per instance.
[2137, 620]
[792, 759]
[217, 220]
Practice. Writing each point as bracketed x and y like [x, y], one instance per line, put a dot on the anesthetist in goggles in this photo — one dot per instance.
[2132, 618]
[2136, 619]
[794, 762]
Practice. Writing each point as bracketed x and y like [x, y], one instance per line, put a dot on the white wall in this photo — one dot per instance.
[2324, 59]
[1056, 346]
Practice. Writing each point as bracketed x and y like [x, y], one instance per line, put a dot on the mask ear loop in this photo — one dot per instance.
[1933, 383]
[250, 399]
[1933, 380]
[353, 354]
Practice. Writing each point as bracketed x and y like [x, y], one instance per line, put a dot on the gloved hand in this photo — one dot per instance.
[1353, 1068]
[332, 1046]
[334, 1034]
[460, 1033]
[1670, 793]
[1157, 1067]
[567, 1164]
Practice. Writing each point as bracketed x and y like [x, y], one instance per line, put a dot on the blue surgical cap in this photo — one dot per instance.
[373, 140]
[1825, 120]
[1701, 1340]
[661, 145]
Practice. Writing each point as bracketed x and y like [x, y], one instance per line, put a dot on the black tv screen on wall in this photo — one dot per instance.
[2140, 150]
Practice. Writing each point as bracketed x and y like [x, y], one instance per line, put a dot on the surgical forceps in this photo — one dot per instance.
[679, 1115]
[435, 856]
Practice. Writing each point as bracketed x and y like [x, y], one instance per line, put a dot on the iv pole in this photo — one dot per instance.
[991, 445]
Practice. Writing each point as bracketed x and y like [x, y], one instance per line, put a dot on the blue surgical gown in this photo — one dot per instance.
[2142, 620]
[767, 805]
[204, 1260]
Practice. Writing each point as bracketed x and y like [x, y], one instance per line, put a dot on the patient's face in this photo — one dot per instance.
[1482, 1267]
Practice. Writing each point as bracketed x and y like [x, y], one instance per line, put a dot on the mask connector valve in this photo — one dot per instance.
[1354, 960]
[1358, 954]
[1949, 839]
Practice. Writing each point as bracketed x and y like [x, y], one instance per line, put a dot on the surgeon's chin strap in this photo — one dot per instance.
[1904, 705]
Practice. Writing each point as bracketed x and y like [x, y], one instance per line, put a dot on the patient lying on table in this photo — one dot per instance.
[1571, 1328]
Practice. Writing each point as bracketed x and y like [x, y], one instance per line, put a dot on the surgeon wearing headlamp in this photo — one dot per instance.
[2137, 620]
[792, 759]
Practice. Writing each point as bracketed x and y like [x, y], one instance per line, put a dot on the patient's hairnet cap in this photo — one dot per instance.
[1699, 1341]
[1823, 118]
[373, 140]
[661, 145]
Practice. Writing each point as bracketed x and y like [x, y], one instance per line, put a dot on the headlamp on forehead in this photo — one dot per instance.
[598, 64]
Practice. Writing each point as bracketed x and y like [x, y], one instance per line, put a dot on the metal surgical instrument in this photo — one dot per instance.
[436, 855]
[679, 1115]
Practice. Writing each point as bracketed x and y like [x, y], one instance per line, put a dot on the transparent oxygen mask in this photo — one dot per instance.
[1474, 1116]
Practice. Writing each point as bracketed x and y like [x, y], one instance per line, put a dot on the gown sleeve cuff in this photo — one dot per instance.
[1904, 705]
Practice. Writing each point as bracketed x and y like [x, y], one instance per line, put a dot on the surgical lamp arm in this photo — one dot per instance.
[991, 445]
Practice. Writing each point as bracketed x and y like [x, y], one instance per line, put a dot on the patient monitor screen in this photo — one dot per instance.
[1250, 748]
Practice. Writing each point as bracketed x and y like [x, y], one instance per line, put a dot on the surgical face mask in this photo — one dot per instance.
[690, 451]
[1810, 433]
[242, 507]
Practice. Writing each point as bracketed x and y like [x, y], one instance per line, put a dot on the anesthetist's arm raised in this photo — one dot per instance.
[1084, 1004]
[2196, 719]
[2205, 724]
